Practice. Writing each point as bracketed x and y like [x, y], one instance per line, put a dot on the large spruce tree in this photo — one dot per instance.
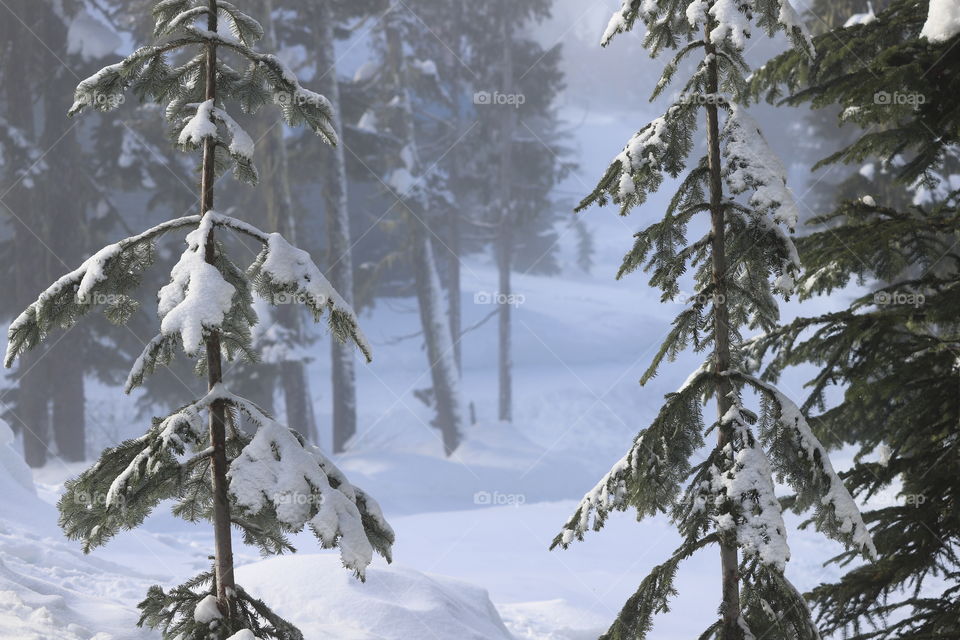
[746, 257]
[269, 483]
[894, 350]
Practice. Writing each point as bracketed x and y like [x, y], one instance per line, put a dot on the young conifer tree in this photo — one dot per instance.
[268, 484]
[747, 256]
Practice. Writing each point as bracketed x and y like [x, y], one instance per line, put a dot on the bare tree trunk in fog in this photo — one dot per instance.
[297, 396]
[340, 271]
[454, 286]
[32, 409]
[505, 341]
[433, 317]
[66, 205]
[298, 399]
[439, 342]
[69, 402]
[504, 246]
[454, 241]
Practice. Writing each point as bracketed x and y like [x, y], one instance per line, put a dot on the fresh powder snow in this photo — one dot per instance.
[943, 21]
[207, 610]
[197, 298]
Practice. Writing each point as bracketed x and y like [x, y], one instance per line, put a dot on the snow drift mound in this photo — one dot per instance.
[327, 603]
[48, 589]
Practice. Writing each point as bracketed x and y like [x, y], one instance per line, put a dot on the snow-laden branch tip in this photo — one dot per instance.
[30, 327]
[621, 21]
[282, 269]
[643, 150]
[648, 477]
[840, 513]
[277, 471]
[175, 433]
[753, 166]
[198, 298]
[203, 125]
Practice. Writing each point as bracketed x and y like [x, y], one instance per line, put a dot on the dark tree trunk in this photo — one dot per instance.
[69, 402]
[730, 607]
[30, 250]
[65, 201]
[33, 407]
[343, 363]
[298, 400]
[223, 539]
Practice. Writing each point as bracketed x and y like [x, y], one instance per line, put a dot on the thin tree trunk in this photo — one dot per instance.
[730, 609]
[454, 285]
[505, 236]
[223, 543]
[455, 241]
[343, 363]
[505, 342]
[436, 327]
[298, 399]
[438, 340]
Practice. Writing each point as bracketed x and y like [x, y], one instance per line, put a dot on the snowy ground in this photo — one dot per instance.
[473, 531]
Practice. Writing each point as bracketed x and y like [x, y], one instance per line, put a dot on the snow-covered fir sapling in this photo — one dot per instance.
[267, 484]
[739, 187]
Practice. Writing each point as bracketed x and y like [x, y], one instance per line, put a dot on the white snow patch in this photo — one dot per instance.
[861, 18]
[200, 126]
[943, 21]
[731, 23]
[207, 610]
[314, 593]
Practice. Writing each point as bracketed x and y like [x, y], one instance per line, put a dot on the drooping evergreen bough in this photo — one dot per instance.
[728, 499]
[894, 350]
[268, 484]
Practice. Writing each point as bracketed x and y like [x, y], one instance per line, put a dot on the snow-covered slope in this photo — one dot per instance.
[48, 589]
[316, 594]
